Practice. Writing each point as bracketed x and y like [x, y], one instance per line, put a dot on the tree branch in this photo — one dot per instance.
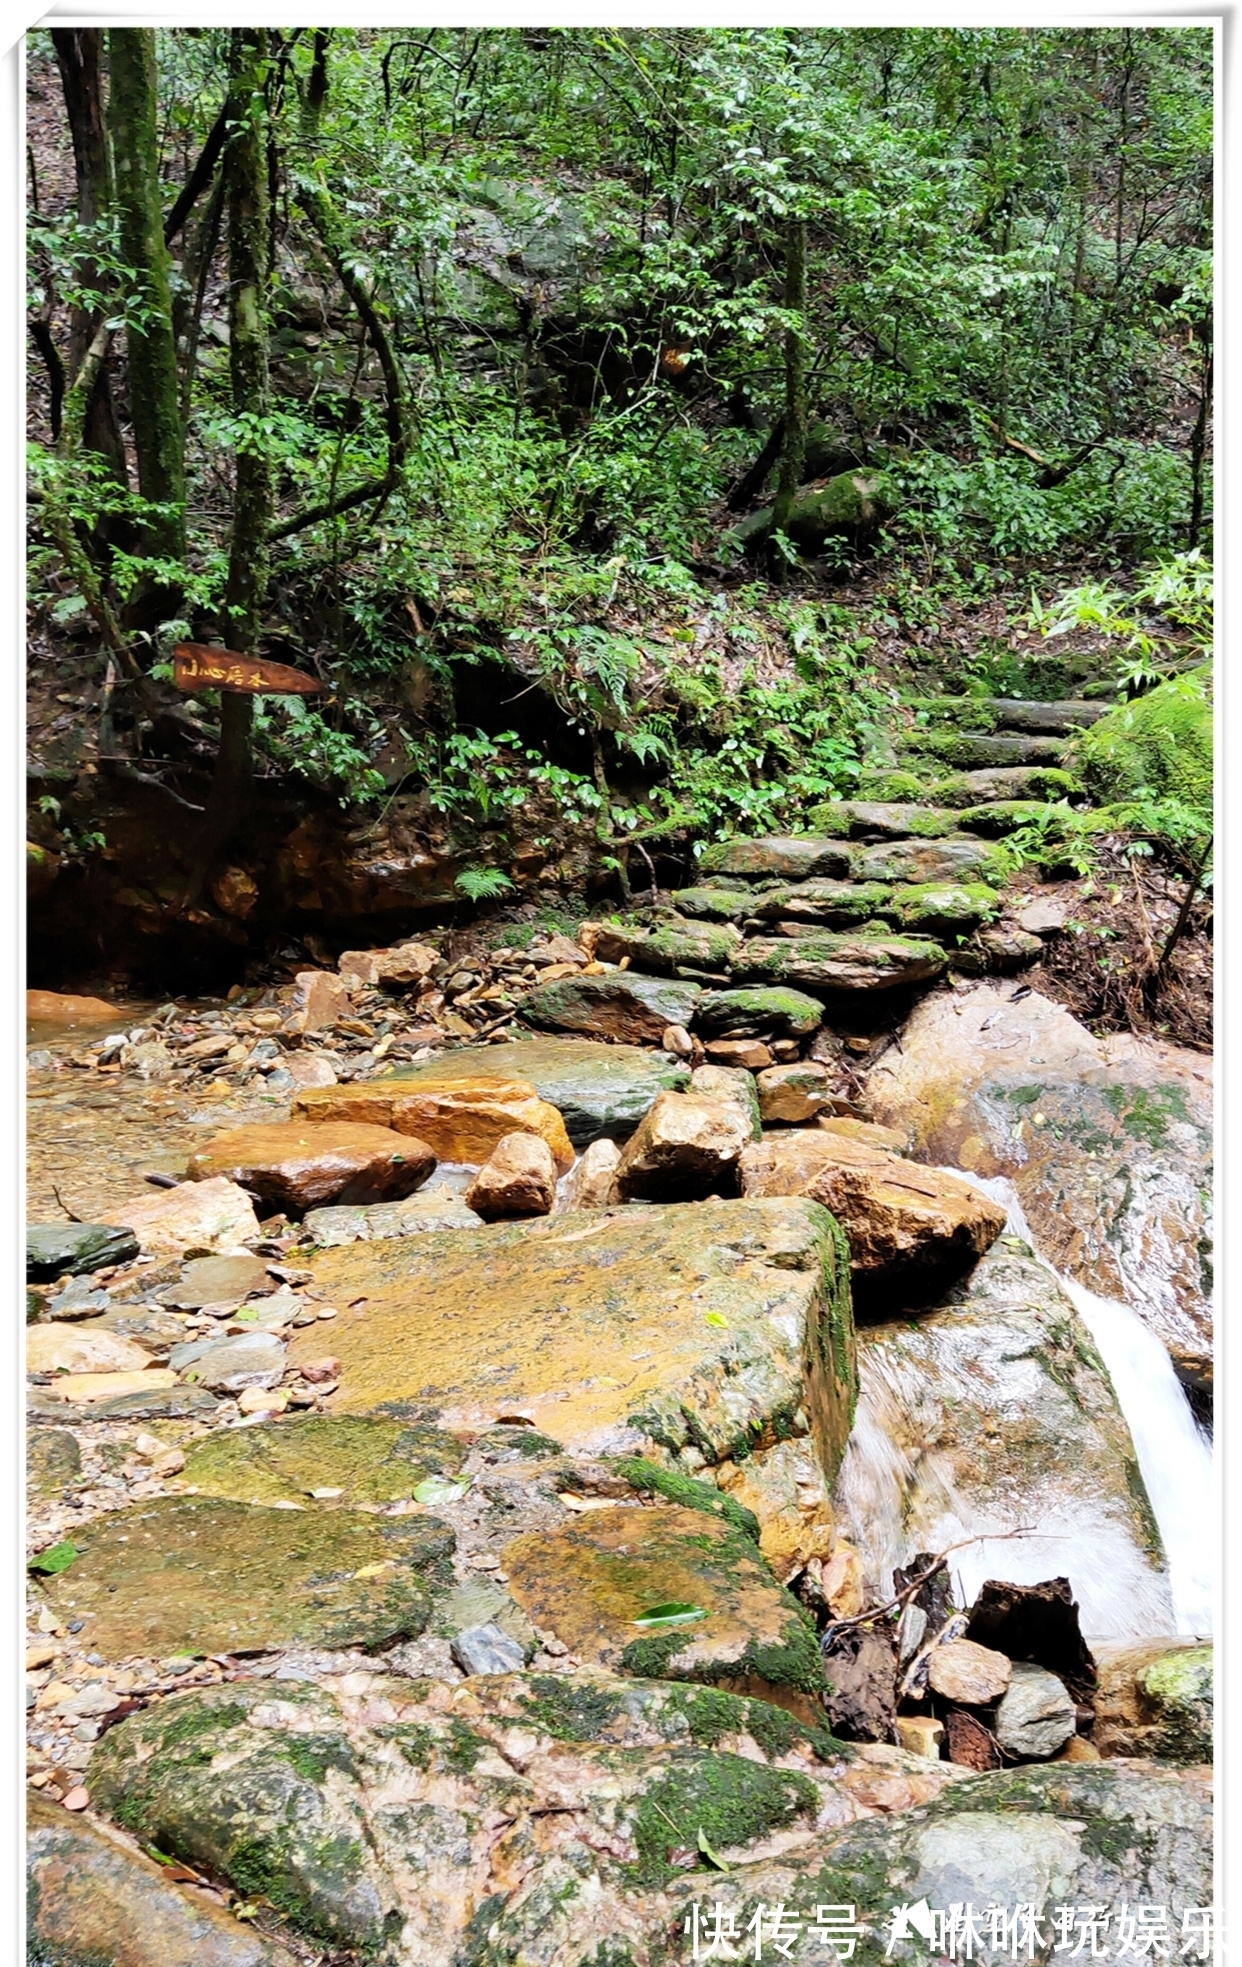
[200, 177]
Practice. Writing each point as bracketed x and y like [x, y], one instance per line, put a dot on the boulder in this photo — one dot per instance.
[594, 1584]
[459, 1119]
[672, 1327]
[210, 1214]
[908, 1227]
[735, 1086]
[922, 862]
[876, 819]
[54, 1348]
[778, 857]
[92, 1897]
[404, 964]
[1158, 745]
[784, 1489]
[944, 908]
[992, 1414]
[687, 1147]
[634, 1010]
[293, 1166]
[517, 1179]
[359, 1459]
[1036, 1714]
[194, 1574]
[72, 1249]
[791, 1094]
[766, 1014]
[97, 1389]
[835, 904]
[1108, 1142]
[745, 1053]
[601, 1091]
[319, 1000]
[690, 949]
[713, 904]
[970, 1674]
[1155, 1699]
[842, 962]
[852, 504]
[590, 1183]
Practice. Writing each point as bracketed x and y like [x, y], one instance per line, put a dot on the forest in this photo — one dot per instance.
[619, 430]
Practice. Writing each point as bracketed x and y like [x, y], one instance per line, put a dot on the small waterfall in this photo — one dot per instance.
[1174, 1456]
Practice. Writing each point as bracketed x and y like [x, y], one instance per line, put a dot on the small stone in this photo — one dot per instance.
[53, 1348]
[686, 1147]
[1043, 917]
[320, 998]
[76, 1798]
[293, 1166]
[1036, 1716]
[790, 1094]
[150, 1060]
[260, 1400]
[745, 1052]
[735, 1087]
[253, 1359]
[308, 1069]
[53, 1461]
[403, 964]
[318, 1370]
[919, 1734]
[212, 1215]
[591, 1182]
[518, 1179]
[677, 1040]
[486, 1649]
[217, 1281]
[1078, 1750]
[972, 1675]
[57, 1249]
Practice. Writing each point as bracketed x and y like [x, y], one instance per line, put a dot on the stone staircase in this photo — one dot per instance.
[888, 888]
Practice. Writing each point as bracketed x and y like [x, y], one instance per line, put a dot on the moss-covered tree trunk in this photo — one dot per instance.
[249, 553]
[154, 410]
[79, 57]
[793, 443]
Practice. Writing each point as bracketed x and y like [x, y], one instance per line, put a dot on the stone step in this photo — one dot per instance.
[841, 962]
[931, 787]
[873, 819]
[942, 905]
[981, 714]
[972, 750]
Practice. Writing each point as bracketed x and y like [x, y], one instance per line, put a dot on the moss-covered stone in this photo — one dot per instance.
[677, 946]
[630, 1009]
[1160, 745]
[730, 1801]
[1003, 816]
[193, 1574]
[778, 857]
[1155, 1699]
[368, 1461]
[713, 904]
[675, 1487]
[842, 962]
[975, 751]
[837, 904]
[53, 1461]
[1003, 782]
[863, 819]
[941, 908]
[758, 1013]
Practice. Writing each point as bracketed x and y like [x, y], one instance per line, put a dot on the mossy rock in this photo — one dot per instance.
[1002, 782]
[971, 750]
[728, 1800]
[844, 962]
[853, 504]
[778, 857]
[1002, 816]
[771, 1013]
[897, 819]
[1159, 746]
[837, 904]
[888, 786]
[943, 908]
[369, 1461]
[713, 904]
[678, 1488]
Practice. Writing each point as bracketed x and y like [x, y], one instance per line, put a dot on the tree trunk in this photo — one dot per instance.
[232, 786]
[793, 443]
[78, 57]
[1198, 445]
[154, 410]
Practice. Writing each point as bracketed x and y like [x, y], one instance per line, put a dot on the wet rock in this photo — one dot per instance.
[228, 1365]
[53, 1348]
[150, 1060]
[681, 946]
[590, 1183]
[53, 1461]
[64, 1013]
[193, 1574]
[1039, 1623]
[785, 1491]
[403, 964]
[861, 1667]
[732, 1085]
[362, 1460]
[744, 1054]
[791, 1094]
[634, 1010]
[970, 1674]
[293, 1166]
[319, 1000]
[842, 1126]
[908, 1227]
[92, 1898]
[601, 1091]
[206, 1215]
[434, 1207]
[486, 1649]
[517, 1179]
[54, 1249]
[687, 1147]
[217, 1281]
[608, 1329]
[793, 857]
[308, 1069]
[944, 908]
[759, 1013]
[993, 1413]
[1035, 1716]
[1107, 1141]
[86, 1389]
[592, 1581]
[1155, 1699]
[841, 962]
[461, 1119]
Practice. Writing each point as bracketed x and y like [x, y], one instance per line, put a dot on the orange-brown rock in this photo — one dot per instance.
[48, 1007]
[686, 1147]
[590, 1182]
[592, 1583]
[404, 963]
[789, 1094]
[907, 1226]
[83, 1389]
[319, 999]
[296, 1166]
[785, 1489]
[974, 1676]
[213, 1215]
[461, 1119]
[517, 1179]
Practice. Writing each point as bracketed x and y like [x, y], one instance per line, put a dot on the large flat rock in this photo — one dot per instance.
[841, 962]
[601, 1091]
[338, 1461]
[620, 1006]
[991, 1417]
[701, 1323]
[1108, 1142]
[777, 857]
[192, 1574]
[460, 1118]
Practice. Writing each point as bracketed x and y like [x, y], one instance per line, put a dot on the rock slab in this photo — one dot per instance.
[294, 1166]
[601, 1091]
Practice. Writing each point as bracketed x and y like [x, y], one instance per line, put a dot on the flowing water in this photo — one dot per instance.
[897, 1498]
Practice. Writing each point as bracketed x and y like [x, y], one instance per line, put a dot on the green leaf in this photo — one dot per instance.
[672, 1614]
[58, 1557]
[714, 1318]
[438, 1489]
[709, 1854]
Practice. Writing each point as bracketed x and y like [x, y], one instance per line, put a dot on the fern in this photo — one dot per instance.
[482, 884]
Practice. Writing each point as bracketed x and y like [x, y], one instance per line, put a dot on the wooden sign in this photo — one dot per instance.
[201, 666]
